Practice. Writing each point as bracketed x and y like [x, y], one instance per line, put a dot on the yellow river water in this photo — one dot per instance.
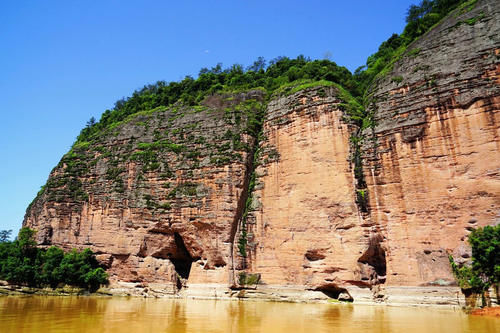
[101, 314]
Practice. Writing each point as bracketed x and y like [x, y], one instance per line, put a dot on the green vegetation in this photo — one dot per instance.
[5, 235]
[485, 269]
[247, 279]
[361, 198]
[255, 114]
[420, 19]
[21, 262]
[296, 86]
[183, 189]
[191, 92]
[397, 79]
[243, 239]
[473, 20]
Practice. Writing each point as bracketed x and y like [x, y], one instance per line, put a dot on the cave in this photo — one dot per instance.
[374, 257]
[182, 260]
[335, 292]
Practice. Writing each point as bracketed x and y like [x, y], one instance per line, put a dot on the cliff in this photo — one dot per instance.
[305, 228]
[434, 171]
[164, 192]
[284, 196]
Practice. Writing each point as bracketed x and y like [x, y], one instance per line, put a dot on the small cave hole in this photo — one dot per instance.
[181, 260]
[335, 292]
[314, 255]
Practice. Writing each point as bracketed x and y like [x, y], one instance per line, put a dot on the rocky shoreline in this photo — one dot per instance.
[425, 296]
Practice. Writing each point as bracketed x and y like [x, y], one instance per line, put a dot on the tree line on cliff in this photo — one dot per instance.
[23, 263]
[280, 71]
[419, 19]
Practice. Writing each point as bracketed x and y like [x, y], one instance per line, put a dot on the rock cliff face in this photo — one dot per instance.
[435, 171]
[194, 200]
[305, 229]
[164, 193]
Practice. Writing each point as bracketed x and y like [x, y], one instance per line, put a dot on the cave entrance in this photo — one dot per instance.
[374, 257]
[335, 292]
[182, 260]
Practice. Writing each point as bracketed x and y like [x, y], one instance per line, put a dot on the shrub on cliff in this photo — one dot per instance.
[420, 19]
[21, 262]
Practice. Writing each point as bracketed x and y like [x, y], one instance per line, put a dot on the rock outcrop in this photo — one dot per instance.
[203, 201]
[305, 228]
[164, 193]
[434, 173]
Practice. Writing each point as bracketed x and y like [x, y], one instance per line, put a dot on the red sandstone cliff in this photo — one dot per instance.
[168, 189]
[164, 194]
[435, 171]
[305, 228]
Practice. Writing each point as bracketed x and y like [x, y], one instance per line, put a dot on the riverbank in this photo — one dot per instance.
[487, 312]
[14, 290]
[399, 296]
[415, 296]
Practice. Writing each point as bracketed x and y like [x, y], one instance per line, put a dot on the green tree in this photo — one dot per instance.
[485, 244]
[26, 241]
[91, 122]
[485, 268]
[94, 278]
[51, 261]
[21, 262]
[18, 266]
[5, 235]
[77, 268]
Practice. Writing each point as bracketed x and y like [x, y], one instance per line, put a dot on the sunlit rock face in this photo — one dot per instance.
[164, 192]
[435, 172]
[305, 228]
[163, 198]
[431, 164]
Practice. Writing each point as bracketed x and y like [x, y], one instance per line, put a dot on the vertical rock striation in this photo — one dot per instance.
[434, 173]
[304, 228]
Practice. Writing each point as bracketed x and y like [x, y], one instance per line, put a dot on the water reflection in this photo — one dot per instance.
[93, 314]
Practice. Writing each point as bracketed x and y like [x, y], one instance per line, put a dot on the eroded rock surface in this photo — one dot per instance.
[435, 172]
[305, 228]
[158, 196]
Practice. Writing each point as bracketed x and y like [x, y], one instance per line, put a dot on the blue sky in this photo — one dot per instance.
[63, 62]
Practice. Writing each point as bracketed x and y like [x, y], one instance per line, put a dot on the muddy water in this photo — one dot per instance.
[93, 314]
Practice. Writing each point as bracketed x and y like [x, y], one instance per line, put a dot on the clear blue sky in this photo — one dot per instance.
[63, 62]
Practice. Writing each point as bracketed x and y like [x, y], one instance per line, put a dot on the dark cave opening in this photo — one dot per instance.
[374, 256]
[336, 292]
[182, 260]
